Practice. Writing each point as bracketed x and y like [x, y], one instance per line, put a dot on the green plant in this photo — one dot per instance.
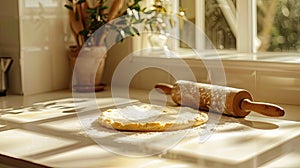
[87, 16]
[161, 16]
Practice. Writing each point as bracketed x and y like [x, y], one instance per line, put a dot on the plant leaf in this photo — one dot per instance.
[151, 27]
[128, 31]
[119, 38]
[139, 21]
[91, 10]
[136, 31]
[149, 12]
[122, 22]
[69, 7]
[112, 26]
[136, 7]
[80, 1]
[172, 22]
[103, 7]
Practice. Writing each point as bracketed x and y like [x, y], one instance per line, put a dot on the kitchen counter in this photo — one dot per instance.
[36, 133]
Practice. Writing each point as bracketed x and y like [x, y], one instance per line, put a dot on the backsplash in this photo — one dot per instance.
[44, 37]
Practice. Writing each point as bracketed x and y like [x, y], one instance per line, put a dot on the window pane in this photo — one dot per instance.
[278, 25]
[187, 34]
[216, 26]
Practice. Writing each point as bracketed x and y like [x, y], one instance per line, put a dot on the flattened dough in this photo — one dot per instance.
[147, 118]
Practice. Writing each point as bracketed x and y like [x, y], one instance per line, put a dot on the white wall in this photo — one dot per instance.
[36, 34]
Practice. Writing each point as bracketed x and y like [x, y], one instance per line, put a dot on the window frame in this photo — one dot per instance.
[247, 26]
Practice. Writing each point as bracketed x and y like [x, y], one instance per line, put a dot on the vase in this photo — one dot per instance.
[87, 65]
[158, 41]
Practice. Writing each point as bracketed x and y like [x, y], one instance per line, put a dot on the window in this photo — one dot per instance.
[244, 26]
[212, 20]
[248, 25]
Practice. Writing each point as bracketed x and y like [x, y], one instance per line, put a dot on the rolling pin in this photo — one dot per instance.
[226, 100]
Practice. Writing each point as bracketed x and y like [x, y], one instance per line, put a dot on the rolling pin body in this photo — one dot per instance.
[226, 100]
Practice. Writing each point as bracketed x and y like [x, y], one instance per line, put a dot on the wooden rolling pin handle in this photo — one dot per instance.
[267, 109]
[164, 88]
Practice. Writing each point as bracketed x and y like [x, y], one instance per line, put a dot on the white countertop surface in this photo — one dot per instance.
[64, 138]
